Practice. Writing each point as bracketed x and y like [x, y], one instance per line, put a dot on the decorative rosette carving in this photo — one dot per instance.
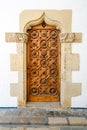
[53, 53]
[53, 33]
[34, 34]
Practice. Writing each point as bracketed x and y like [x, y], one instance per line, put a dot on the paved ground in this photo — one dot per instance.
[42, 119]
[43, 128]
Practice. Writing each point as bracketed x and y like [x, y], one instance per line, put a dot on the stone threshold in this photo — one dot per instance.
[37, 116]
[44, 105]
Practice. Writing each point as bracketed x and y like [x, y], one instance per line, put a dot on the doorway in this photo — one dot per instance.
[43, 63]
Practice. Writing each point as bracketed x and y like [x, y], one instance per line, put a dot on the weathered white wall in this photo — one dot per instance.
[9, 22]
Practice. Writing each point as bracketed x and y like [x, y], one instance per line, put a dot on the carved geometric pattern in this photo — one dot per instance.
[43, 62]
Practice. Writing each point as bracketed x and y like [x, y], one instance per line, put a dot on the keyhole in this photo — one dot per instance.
[43, 24]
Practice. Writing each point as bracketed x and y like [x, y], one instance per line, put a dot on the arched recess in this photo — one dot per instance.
[47, 20]
[38, 21]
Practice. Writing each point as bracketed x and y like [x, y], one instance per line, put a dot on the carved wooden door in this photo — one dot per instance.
[43, 64]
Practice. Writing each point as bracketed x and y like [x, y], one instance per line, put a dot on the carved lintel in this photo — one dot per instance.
[16, 37]
[71, 37]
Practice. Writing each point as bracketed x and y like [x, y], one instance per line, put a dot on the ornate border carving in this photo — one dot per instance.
[16, 37]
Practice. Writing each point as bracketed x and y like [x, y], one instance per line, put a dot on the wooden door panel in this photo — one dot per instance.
[43, 64]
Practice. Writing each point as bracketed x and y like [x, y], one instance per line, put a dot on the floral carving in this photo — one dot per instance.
[21, 37]
[70, 37]
[67, 37]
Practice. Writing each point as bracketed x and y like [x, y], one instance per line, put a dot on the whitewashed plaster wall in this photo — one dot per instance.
[9, 22]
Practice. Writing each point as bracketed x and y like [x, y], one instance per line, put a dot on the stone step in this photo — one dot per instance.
[35, 116]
